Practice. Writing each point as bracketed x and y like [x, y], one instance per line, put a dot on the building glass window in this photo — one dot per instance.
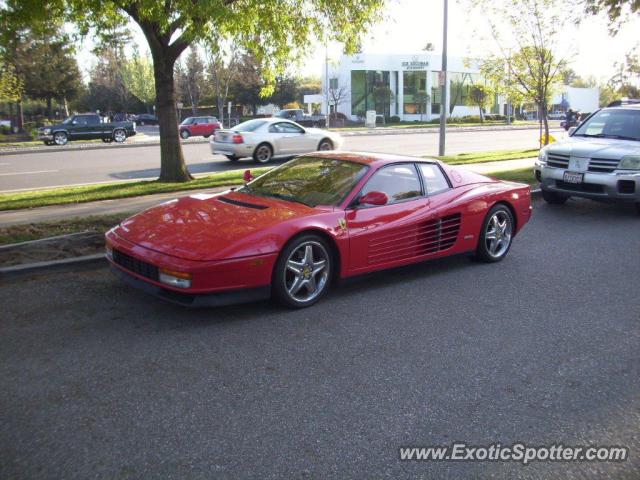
[436, 93]
[333, 83]
[370, 90]
[459, 85]
[414, 92]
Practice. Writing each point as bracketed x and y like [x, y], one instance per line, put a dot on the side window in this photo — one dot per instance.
[399, 182]
[290, 128]
[434, 179]
[92, 119]
[80, 120]
[275, 128]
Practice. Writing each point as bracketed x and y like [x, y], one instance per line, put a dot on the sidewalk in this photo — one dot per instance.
[136, 204]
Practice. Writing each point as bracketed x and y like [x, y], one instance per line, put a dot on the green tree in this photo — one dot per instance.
[421, 99]
[383, 96]
[249, 83]
[283, 29]
[285, 91]
[221, 70]
[616, 10]
[480, 95]
[50, 70]
[11, 87]
[532, 70]
[191, 79]
[138, 78]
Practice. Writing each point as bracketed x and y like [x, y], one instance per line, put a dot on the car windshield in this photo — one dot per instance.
[249, 126]
[187, 121]
[308, 180]
[623, 124]
[67, 120]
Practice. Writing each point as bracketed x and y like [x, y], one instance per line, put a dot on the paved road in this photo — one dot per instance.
[99, 381]
[36, 170]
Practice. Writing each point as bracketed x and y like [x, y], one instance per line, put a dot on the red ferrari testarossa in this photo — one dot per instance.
[320, 217]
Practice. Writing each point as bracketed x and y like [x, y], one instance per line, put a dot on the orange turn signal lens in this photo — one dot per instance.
[176, 274]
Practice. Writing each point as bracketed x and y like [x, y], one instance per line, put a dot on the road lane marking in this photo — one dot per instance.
[28, 173]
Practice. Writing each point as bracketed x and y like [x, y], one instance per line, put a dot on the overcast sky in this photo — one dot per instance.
[410, 24]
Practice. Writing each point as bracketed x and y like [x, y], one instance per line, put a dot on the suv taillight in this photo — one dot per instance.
[237, 138]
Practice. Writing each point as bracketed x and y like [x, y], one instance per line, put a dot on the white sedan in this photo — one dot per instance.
[267, 138]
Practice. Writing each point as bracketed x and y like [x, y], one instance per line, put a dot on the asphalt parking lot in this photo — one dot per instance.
[99, 381]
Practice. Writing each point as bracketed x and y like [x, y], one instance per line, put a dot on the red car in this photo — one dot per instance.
[199, 126]
[320, 217]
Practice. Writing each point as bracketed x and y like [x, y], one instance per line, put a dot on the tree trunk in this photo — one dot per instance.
[172, 165]
[481, 115]
[20, 116]
[545, 120]
[49, 107]
[12, 120]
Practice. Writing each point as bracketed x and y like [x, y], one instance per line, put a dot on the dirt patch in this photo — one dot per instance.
[55, 248]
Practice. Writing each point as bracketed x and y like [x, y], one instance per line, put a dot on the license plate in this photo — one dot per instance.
[572, 177]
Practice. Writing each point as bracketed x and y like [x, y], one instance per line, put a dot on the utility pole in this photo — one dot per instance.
[509, 88]
[326, 83]
[443, 95]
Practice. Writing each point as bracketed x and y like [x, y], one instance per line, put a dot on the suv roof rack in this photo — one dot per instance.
[626, 101]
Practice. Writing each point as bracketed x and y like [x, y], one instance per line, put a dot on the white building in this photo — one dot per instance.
[407, 86]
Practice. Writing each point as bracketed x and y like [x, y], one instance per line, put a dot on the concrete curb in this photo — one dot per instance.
[75, 264]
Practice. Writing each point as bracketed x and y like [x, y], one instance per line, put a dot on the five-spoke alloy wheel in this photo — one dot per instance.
[60, 138]
[303, 272]
[496, 235]
[119, 135]
[263, 153]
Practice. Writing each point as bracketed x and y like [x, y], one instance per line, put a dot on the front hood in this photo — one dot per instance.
[211, 227]
[596, 147]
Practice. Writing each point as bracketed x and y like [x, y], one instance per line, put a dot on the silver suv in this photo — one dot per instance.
[600, 160]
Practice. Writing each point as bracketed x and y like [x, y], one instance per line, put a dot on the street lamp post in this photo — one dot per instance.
[326, 84]
[443, 95]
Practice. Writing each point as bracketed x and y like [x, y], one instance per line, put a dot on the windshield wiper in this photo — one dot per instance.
[605, 135]
[282, 196]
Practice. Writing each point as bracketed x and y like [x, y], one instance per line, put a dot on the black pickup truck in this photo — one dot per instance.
[86, 126]
[298, 116]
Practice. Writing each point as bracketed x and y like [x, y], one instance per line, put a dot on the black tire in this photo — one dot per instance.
[119, 135]
[638, 208]
[554, 198]
[206, 136]
[60, 138]
[184, 134]
[263, 153]
[284, 279]
[325, 144]
[488, 251]
[48, 143]
[232, 158]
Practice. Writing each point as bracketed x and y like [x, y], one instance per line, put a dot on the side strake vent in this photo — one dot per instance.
[422, 239]
[241, 204]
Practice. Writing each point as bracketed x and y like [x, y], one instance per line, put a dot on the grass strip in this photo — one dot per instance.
[521, 175]
[110, 191]
[36, 231]
[490, 156]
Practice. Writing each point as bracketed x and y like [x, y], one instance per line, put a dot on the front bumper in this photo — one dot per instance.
[619, 185]
[233, 149]
[190, 300]
[214, 282]
[47, 137]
